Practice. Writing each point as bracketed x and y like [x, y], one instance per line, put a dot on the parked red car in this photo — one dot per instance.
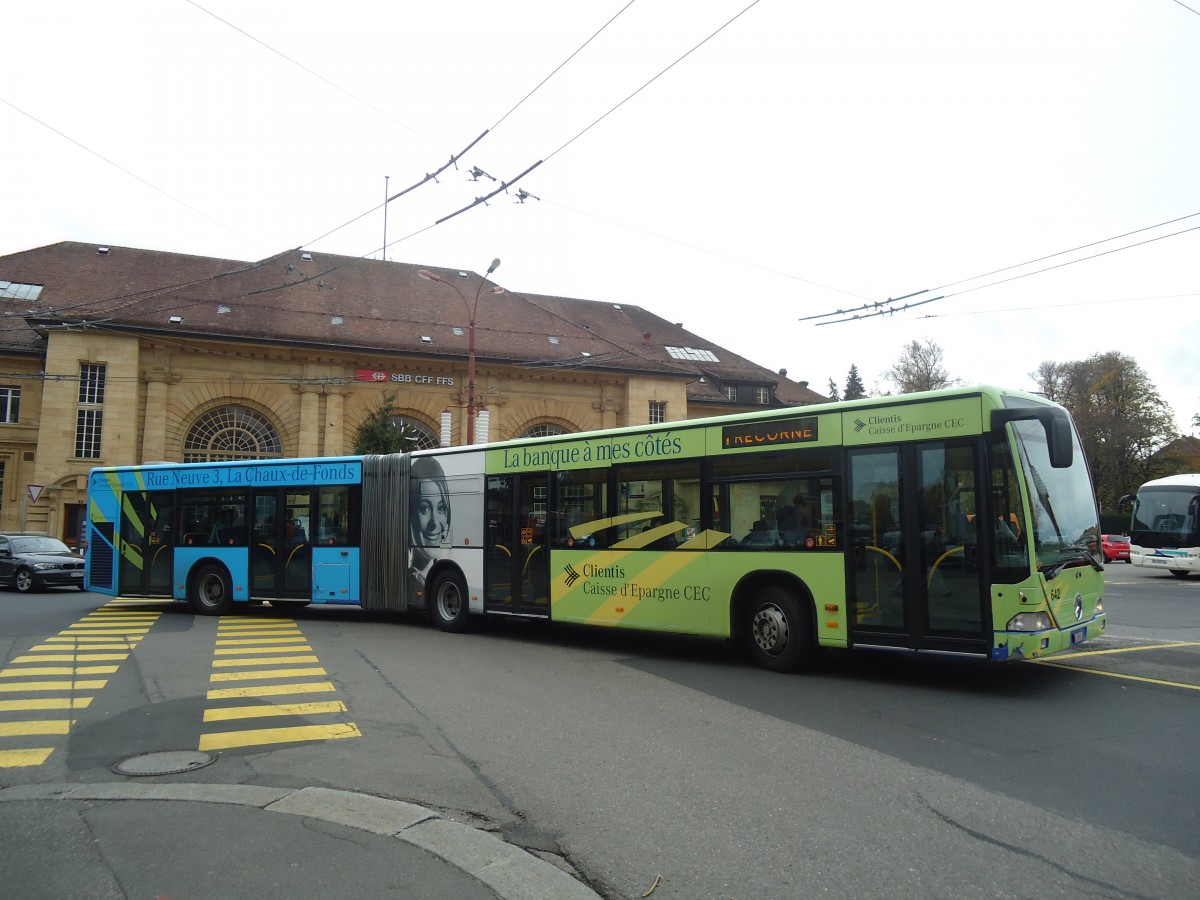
[1114, 547]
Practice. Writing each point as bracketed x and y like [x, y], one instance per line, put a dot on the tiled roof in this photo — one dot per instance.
[362, 305]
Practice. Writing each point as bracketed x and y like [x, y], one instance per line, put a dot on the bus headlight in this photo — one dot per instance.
[1029, 621]
[1100, 606]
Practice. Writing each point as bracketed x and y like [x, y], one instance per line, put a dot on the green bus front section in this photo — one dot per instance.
[859, 585]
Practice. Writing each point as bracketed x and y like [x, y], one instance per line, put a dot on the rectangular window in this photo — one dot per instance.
[10, 405]
[764, 395]
[89, 427]
[91, 383]
[15, 290]
[657, 505]
[731, 392]
[658, 412]
[580, 519]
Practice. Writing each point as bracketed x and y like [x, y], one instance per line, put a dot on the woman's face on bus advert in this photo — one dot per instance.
[433, 515]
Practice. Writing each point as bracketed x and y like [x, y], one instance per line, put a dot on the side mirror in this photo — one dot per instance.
[1055, 422]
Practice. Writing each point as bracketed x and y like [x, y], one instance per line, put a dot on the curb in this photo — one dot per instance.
[504, 868]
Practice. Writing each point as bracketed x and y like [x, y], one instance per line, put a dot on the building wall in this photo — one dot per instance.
[156, 391]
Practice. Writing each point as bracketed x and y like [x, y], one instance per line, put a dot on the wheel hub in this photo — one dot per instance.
[770, 629]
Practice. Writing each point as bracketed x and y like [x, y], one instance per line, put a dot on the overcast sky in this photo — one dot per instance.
[736, 166]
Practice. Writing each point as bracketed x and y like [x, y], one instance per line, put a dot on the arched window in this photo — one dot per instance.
[417, 430]
[231, 433]
[544, 430]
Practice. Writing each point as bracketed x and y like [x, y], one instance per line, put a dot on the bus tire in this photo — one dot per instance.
[781, 637]
[449, 607]
[1180, 573]
[211, 592]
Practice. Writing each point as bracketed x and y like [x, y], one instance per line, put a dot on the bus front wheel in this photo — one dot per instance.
[781, 638]
[448, 604]
[212, 592]
[1180, 573]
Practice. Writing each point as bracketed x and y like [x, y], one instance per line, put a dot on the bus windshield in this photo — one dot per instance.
[1166, 516]
[1065, 523]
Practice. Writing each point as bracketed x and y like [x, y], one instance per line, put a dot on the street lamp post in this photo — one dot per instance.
[471, 309]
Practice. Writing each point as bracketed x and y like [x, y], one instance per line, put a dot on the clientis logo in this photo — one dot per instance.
[765, 434]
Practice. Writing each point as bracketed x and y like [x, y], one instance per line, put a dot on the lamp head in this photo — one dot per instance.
[494, 266]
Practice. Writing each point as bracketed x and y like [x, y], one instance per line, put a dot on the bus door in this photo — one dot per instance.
[280, 550]
[517, 577]
[914, 581]
[146, 543]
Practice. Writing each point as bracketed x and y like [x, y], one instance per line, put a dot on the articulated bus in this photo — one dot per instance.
[1164, 532]
[958, 522]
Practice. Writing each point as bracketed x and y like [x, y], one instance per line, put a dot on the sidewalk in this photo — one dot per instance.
[214, 842]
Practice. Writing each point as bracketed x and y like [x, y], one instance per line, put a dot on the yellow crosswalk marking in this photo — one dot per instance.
[226, 663]
[272, 690]
[230, 739]
[227, 713]
[58, 670]
[93, 685]
[12, 759]
[36, 726]
[243, 650]
[70, 657]
[47, 703]
[260, 674]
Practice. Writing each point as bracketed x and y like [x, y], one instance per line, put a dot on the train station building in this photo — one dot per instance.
[117, 356]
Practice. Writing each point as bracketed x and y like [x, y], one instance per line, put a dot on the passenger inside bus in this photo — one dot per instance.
[759, 536]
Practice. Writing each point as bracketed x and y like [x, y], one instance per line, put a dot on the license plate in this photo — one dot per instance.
[76, 574]
[1078, 637]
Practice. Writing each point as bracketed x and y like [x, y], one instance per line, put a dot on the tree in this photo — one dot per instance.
[1123, 422]
[855, 390]
[919, 369]
[833, 391]
[378, 432]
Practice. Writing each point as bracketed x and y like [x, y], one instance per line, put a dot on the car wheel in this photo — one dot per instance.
[210, 592]
[448, 605]
[1107, 559]
[23, 580]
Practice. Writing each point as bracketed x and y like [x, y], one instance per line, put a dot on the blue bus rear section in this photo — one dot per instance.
[337, 530]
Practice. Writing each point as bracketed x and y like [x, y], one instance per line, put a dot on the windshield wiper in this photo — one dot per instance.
[1074, 553]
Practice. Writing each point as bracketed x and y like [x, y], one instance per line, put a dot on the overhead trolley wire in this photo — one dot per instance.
[887, 307]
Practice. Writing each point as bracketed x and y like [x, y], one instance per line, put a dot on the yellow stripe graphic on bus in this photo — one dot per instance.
[661, 571]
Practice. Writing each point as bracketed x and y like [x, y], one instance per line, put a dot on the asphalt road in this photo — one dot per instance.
[676, 765]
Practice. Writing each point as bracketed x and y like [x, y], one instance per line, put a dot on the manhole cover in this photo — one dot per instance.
[166, 762]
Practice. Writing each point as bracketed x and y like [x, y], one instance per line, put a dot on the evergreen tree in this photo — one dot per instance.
[833, 391]
[378, 432]
[855, 389]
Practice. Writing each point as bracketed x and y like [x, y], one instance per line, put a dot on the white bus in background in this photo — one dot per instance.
[1164, 530]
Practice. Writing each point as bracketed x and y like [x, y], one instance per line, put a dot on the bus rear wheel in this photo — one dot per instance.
[448, 605]
[1180, 573]
[211, 592]
[781, 638]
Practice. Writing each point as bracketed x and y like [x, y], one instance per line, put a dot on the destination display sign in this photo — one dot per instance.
[768, 434]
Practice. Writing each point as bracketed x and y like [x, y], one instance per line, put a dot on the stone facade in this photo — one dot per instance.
[171, 382]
